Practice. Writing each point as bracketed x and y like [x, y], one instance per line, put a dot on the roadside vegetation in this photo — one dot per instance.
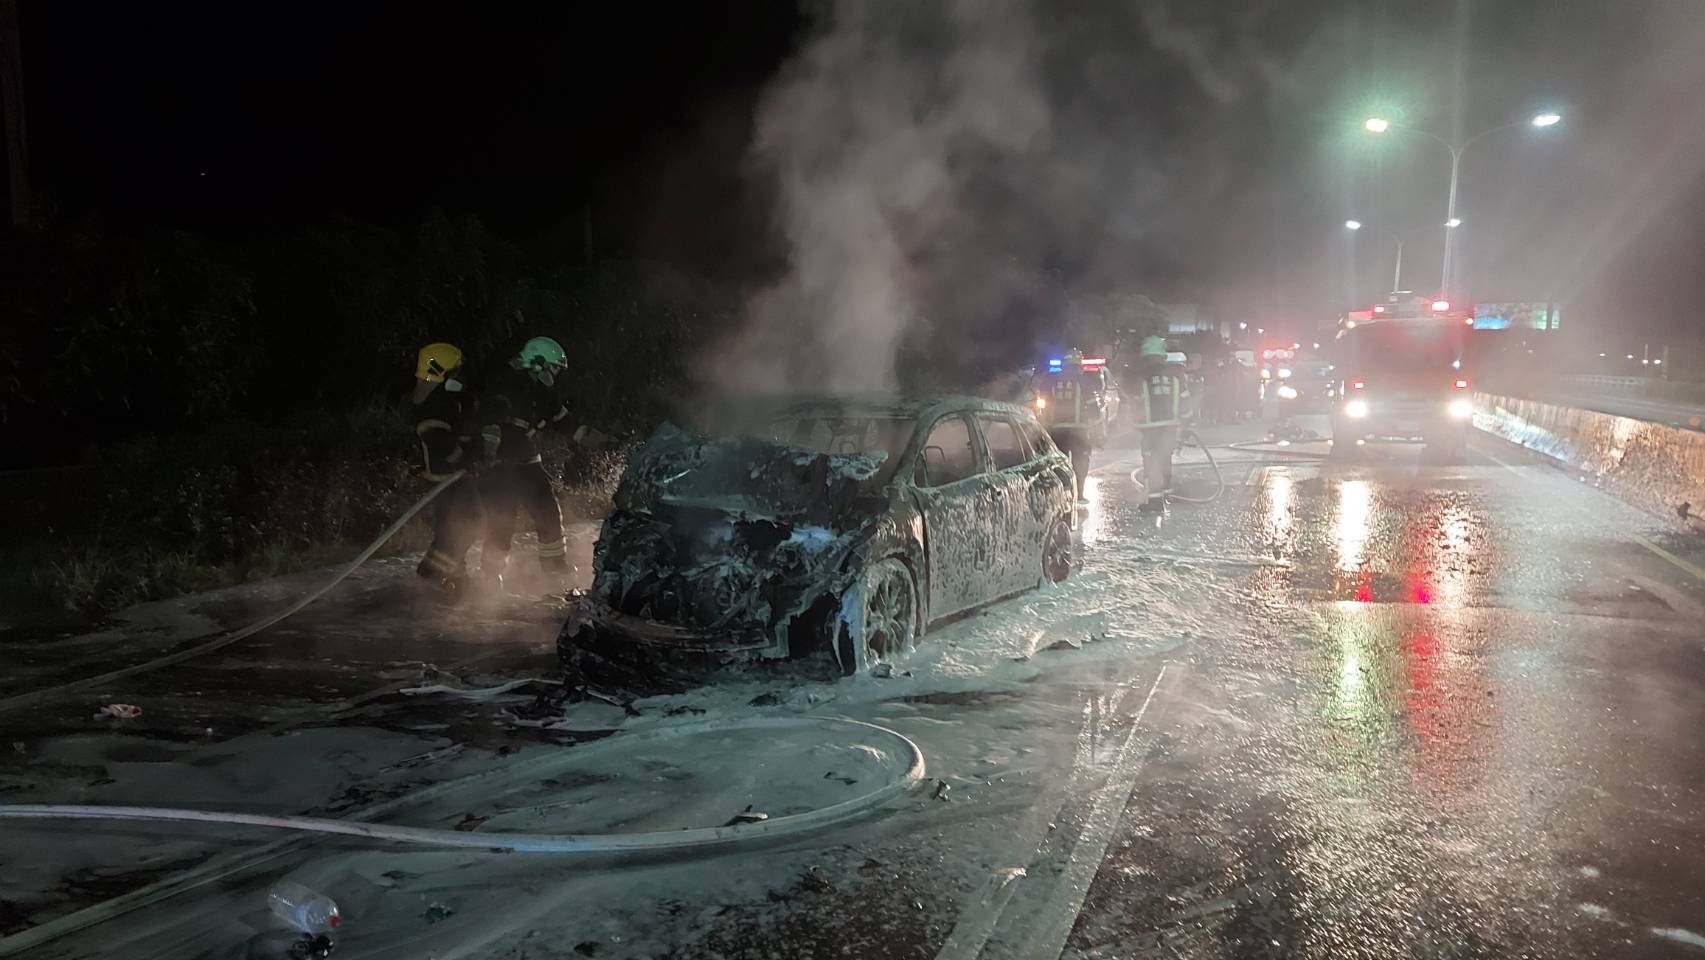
[184, 414]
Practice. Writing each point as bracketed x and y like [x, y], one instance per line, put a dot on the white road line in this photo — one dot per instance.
[1056, 908]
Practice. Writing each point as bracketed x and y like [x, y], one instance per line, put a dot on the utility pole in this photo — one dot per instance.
[12, 106]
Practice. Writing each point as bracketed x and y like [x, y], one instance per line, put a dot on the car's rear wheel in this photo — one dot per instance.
[886, 621]
[1057, 553]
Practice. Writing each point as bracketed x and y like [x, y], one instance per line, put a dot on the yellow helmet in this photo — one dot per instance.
[435, 360]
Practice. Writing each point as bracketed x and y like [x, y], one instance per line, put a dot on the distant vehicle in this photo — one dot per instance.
[1304, 386]
[1403, 380]
[795, 527]
[1077, 394]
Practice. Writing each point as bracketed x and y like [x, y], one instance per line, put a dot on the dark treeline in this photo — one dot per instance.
[112, 334]
[212, 407]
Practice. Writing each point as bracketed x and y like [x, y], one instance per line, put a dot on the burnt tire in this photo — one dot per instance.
[886, 621]
[1057, 553]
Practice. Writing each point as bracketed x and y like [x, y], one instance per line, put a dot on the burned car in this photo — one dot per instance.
[837, 528]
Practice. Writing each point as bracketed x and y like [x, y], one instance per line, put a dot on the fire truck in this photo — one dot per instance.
[1403, 376]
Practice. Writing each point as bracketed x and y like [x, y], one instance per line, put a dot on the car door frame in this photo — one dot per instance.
[947, 592]
[1023, 514]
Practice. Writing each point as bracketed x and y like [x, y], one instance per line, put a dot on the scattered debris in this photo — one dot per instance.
[683, 710]
[869, 864]
[815, 881]
[399, 875]
[769, 699]
[436, 912]
[1063, 644]
[470, 822]
[941, 788]
[882, 671]
[625, 703]
[119, 711]
[747, 815]
[586, 948]
[316, 946]
[832, 775]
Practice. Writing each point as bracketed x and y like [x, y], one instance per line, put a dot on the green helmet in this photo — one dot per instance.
[542, 357]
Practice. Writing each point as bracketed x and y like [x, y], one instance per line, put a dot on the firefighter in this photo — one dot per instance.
[1163, 392]
[1073, 402]
[520, 402]
[443, 421]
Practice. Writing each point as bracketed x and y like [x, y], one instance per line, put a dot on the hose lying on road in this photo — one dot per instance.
[1186, 439]
[698, 838]
[226, 639]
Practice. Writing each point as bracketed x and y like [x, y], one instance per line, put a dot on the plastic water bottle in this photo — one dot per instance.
[303, 909]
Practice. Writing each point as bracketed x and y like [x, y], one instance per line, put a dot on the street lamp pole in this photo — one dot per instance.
[1451, 221]
[1381, 125]
[1397, 268]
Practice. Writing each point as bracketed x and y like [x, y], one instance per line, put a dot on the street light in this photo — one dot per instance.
[1381, 125]
[1396, 271]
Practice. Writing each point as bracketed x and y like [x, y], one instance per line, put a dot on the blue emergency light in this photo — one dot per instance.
[1054, 364]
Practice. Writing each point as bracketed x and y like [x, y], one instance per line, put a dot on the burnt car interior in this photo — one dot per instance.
[948, 455]
[1006, 447]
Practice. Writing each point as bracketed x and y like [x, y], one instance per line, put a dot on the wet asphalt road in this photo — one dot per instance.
[1484, 740]
[1409, 710]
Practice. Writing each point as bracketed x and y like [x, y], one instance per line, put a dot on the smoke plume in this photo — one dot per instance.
[882, 138]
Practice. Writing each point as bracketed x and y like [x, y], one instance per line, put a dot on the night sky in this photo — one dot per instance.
[1237, 124]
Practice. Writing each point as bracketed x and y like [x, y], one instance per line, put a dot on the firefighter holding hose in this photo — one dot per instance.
[1159, 415]
[443, 421]
[521, 401]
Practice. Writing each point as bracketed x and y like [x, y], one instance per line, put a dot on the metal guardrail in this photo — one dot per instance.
[1612, 383]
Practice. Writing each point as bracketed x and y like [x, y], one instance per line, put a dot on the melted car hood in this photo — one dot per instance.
[732, 533]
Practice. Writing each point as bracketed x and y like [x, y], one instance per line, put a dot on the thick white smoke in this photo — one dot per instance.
[875, 135]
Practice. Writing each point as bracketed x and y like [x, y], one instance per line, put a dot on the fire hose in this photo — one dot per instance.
[226, 639]
[691, 839]
[616, 845]
[1189, 438]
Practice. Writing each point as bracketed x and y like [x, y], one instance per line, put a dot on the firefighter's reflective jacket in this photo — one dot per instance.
[443, 423]
[1163, 395]
[512, 412]
[1076, 395]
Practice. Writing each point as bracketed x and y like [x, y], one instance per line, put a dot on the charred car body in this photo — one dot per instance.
[844, 525]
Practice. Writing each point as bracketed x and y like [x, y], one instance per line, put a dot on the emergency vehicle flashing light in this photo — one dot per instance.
[1358, 384]
[1054, 364]
[1441, 306]
[1094, 363]
[1461, 384]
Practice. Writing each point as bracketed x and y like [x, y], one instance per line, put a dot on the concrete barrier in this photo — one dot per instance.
[1654, 465]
